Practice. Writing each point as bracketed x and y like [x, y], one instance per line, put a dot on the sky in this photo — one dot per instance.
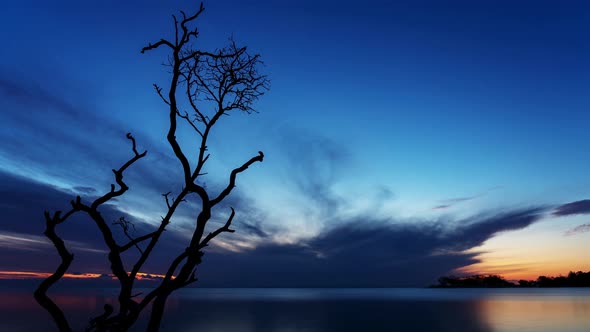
[403, 141]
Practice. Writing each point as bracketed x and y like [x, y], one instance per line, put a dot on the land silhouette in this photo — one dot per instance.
[573, 279]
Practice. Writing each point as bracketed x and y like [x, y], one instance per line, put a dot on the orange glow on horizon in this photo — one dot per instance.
[21, 275]
[513, 274]
[541, 249]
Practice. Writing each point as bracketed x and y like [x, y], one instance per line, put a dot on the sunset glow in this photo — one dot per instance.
[41, 275]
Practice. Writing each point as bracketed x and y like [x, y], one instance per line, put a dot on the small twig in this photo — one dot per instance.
[135, 241]
[190, 122]
[159, 92]
[166, 198]
[126, 225]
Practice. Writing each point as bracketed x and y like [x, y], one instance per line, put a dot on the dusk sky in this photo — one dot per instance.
[402, 142]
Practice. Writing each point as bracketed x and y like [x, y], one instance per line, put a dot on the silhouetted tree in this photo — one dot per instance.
[475, 281]
[526, 283]
[211, 84]
[573, 279]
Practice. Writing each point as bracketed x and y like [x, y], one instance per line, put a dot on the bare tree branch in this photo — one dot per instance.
[159, 92]
[66, 260]
[136, 241]
[224, 228]
[190, 122]
[125, 226]
[156, 45]
[119, 177]
[232, 178]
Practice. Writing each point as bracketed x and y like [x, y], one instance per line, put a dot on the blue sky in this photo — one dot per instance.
[379, 109]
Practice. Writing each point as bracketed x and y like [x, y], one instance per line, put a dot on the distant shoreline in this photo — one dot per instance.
[572, 280]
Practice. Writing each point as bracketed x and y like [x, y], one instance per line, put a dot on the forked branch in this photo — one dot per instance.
[126, 226]
[224, 228]
[119, 176]
[66, 260]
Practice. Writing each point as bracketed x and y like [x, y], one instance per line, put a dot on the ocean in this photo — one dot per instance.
[315, 310]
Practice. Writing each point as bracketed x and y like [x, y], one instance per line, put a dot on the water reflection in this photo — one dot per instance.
[314, 310]
[327, 315]
[539, 315]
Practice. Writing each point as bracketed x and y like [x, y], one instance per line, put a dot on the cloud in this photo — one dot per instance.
[358, 250]
[47, 122]
[578, 230]
[84, 190]
[350, 251]
[313, 164]
[363, 252]
[461, 199]
[476, 230]
[90, 143]
[21, 240]
[29, 242]
[442, 207]
[30, 93]
[254, 229]
[450, 202]
[578, 207]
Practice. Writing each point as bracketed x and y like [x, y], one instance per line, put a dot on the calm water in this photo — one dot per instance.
[311, 310]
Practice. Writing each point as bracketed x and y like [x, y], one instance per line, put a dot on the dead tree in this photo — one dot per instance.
[211, 85]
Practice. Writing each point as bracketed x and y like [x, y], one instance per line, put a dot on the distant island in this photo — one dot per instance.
[573, 279]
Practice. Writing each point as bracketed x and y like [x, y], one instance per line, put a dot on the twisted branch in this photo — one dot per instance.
[233, 175]
[66, 257]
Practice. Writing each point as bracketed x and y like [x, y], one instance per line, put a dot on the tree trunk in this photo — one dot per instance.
[54, 310]
[157, 313]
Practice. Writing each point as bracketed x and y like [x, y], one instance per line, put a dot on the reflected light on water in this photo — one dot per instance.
[539, 314]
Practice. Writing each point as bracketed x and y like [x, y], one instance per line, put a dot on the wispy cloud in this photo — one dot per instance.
[578, 230]
[450, 202]
[442, 207]
[29, 242]
[21, 239]
[577, 207]
[23, 242]
[90, 143]
[313, 164]
[351, 248]
[392, 252]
